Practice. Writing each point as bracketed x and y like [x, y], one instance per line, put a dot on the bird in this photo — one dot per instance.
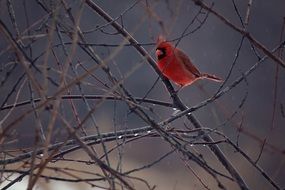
[175, 65]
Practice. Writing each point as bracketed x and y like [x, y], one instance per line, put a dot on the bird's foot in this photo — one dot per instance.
[175, 92]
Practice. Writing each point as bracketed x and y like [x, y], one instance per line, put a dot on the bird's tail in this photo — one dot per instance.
[211, 77]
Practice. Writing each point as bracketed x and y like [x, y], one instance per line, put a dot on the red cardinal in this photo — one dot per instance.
[176, 65]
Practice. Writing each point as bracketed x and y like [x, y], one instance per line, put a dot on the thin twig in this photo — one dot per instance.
[256, 43]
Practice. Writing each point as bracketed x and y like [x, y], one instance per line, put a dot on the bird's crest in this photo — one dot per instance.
[160, 39]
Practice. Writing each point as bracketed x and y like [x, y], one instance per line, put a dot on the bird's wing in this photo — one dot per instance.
[187, 63]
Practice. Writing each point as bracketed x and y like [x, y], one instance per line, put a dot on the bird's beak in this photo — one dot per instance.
[158, 53]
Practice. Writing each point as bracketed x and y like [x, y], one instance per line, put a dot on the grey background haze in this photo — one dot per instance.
[212, 49]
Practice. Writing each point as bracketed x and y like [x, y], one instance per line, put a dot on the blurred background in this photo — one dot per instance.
[252, 114]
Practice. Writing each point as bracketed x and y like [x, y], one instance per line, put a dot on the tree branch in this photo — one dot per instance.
[176, 100]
